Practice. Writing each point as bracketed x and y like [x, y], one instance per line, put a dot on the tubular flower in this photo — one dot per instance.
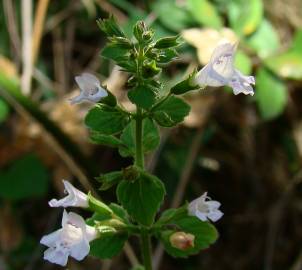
[90, 87]
[71, 240]
[221, 71]
[205, 209]
[75, 198]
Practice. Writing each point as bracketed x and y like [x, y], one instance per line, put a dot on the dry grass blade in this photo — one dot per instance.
[59, 60]
[12, 27]
[38, 27]
[26, 10]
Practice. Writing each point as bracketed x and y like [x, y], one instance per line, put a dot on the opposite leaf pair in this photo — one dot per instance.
[74, 237]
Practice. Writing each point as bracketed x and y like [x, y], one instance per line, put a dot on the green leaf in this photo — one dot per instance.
[167, 42]
[106, 120]
[171, 111]
[110, 27]
[142, 197]
[245, 16]
[120, 212]
[108, 245]
[171, 15]
[109, 100]
[172, 214]
[4, 110]
[109, 179]
[166, 55]
[142, 96]
[297, 41]
[115, 52]
[150, 138]
[185, 85]
[25, 178]
[204, 12]
[204, 232]
[121, 42]
[287, 65]
[109, 140]
[265, 40]
[271, 94]
[243, 62]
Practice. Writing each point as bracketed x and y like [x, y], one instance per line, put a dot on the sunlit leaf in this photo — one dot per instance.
[204, 12]
[171, 15]
[245, 16]
[289, 63]
[265, 40]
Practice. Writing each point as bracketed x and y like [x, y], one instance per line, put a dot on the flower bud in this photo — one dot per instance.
[150, 69]
[131, 173]
[142, 33]
[138, 30]
[182, 240]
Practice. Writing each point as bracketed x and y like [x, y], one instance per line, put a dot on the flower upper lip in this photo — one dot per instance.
[74, 197]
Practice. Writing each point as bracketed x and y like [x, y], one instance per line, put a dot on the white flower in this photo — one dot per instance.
[221, 71]
[71, 240]
[205, 209]
[90, 87]
[75, 198]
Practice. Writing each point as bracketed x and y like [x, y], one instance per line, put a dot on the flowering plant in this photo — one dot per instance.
[183, 231]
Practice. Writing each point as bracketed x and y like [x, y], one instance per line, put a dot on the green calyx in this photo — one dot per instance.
[98, 206]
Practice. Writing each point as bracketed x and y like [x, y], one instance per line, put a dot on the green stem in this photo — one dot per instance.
[146, 249]
[139, 161]
[139, 154]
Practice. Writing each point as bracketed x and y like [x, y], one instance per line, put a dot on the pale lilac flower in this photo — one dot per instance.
[90, 87]
[221, 71]
[71, 240]
[74, 198]
[205, 209]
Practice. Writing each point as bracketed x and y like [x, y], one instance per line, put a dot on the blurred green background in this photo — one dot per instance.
[245, 151]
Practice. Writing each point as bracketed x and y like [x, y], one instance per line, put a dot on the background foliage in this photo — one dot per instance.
[246, 151]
